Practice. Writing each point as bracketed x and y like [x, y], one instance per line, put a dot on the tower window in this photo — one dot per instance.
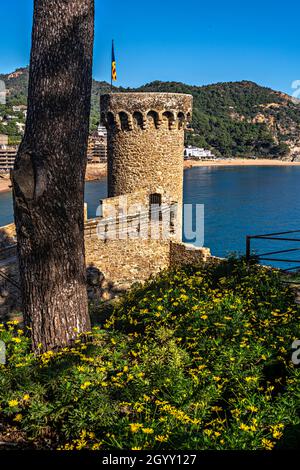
[155, 198]
[169, 118]
[152, 117]
[138, 119]
[124, 121]
[155, 205]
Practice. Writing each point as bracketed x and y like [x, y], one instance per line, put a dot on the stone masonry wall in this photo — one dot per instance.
[145, 143]
[145, 156]
[123, 262]
[182, 254]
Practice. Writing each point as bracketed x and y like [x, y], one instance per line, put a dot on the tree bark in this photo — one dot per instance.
[48, 177]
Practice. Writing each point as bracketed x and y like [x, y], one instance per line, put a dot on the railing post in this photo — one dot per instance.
[248, 247]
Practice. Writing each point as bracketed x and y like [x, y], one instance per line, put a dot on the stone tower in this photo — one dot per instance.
[146, 145]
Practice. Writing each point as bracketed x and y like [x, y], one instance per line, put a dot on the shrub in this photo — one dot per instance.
[197, 358]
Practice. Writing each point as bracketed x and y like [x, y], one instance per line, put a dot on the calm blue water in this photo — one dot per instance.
[6, 208]
[242, 201]
[238, 201]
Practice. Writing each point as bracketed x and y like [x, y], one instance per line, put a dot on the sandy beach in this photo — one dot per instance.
[94, 172]
[97, 171]
[240, 162]
[4, 184]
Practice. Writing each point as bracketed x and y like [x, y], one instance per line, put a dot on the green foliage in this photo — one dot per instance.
[198, 358]
[222, 117]
[14, 139]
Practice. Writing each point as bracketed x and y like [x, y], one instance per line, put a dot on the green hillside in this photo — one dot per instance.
[234, 119]
[237, 119]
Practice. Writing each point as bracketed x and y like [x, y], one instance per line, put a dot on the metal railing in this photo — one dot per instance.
[269, 256]
[9, 250]
[7, 256]
[122, 223]
[10, 280]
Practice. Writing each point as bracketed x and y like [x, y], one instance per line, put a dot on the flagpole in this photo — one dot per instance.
[111, 77]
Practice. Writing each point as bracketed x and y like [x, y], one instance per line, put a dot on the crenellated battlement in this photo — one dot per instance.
[142, 111]
[152, 119]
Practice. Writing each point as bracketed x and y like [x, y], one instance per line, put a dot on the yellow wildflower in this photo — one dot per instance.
[18, 417]
[216, 378]
[267, 444]
[13, 403]
[134, 427]
[252, 408]
[251, 379]
[216, 408]
[96, 446]
[161, 438]
[244, 427]
[277, 434]
[148, 430]
[85, 385]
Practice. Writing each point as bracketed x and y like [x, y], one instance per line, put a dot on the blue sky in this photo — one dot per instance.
[196, 42]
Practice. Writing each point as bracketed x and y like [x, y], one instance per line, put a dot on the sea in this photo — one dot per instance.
[236, 201]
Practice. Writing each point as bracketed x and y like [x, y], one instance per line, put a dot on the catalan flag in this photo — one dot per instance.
[113, 64]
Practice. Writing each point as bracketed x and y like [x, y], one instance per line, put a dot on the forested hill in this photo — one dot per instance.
[235, 119]
[241, 118]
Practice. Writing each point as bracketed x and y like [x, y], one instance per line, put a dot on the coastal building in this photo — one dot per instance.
[97, 149]
[97, 145]
[197, 153]
[7, 158]
[101, 131]
[19, 109]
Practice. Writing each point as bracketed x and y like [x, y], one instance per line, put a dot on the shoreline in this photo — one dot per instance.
[239, 162]
[97, 171]
[5, 185]
[94, 172]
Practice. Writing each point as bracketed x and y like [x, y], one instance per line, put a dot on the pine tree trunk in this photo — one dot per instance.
[48, 177]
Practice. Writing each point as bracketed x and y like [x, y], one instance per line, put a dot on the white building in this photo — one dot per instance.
[197, 153]
[19, 109]
[20, 127]
[7, 158]
[102, 132]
